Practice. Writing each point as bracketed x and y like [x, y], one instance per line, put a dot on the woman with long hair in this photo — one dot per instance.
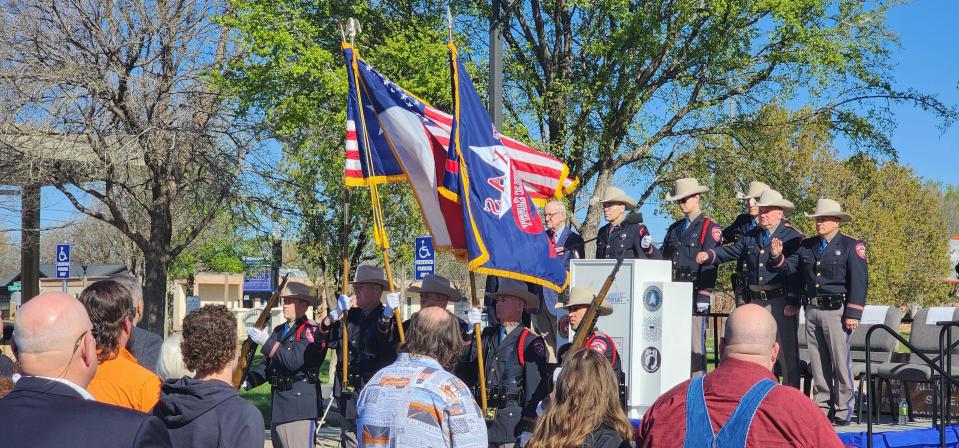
[584, 410]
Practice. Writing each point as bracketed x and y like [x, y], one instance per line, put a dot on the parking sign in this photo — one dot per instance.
[63, 261]
[425, 261]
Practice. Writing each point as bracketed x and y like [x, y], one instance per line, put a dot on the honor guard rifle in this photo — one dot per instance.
[247, 353]
[589, 320]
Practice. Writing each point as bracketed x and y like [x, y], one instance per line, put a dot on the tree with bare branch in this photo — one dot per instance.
[110, 101]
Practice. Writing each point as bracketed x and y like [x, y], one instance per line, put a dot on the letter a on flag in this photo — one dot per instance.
[504, 232]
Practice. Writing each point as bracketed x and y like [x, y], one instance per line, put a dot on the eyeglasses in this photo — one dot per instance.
[550, 215]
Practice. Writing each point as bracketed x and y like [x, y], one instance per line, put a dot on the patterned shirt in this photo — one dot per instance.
[414, 402]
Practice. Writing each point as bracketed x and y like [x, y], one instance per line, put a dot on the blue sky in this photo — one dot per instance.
[927, 59]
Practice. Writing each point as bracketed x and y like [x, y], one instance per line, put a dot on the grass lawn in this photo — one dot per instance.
[260, 396]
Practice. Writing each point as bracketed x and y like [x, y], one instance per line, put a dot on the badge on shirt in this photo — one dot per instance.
[861, 250]
[838, 252]
[717, 234]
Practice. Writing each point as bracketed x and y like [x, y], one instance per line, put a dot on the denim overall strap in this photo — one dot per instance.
[699, 430]
[736, 429]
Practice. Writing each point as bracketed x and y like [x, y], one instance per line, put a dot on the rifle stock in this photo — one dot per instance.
[247, 352]
[589, 320]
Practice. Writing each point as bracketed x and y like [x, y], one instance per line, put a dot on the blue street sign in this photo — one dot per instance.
[63, 261]
[192, 303]
[425, 262]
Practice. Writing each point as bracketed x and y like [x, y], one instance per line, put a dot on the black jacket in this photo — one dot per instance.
[840, 269]
[41, 413]
[681, 246]
[298, 358]
[604, 437]
[611, 241]
[210, 414]
[759, 271]
[523, 384]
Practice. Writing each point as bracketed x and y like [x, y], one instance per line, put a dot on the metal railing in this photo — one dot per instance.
[871, 388]
[945, 361]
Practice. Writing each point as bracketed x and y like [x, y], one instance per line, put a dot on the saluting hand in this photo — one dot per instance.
[775, 247]
[702, 258]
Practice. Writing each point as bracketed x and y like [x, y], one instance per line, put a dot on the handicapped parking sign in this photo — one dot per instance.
[425, 261]
[63, 261]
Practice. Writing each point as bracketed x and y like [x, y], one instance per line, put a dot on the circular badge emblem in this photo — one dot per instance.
[653, 298]
[652, 329]
[651, 359]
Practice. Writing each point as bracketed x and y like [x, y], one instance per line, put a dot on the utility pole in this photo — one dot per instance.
[495, 102]
[30, 241]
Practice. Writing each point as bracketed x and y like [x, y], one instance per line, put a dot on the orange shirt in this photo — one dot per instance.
[123, 382]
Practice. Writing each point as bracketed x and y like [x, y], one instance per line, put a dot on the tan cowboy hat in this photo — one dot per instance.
[516, 288]
[772, 198]
[756, 189]
[686, 187]
[614, 194]
[370, 274]
[296, 290]
[828, 207]
[580, 295]
[438, 285]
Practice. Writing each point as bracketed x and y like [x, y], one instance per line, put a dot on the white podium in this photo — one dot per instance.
[651, 324]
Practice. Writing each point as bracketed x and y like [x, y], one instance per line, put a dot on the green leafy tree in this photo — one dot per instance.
[295, 79]
[621, 88]
[896, 214]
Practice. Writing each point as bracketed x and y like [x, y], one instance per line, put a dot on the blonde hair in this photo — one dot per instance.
[586, 396]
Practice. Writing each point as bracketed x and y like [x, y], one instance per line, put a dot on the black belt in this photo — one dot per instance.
[828, 302]
[765, 292]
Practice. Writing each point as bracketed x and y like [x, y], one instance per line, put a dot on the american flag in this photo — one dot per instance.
[545, 176]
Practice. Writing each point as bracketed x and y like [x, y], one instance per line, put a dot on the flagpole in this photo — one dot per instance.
[477, 335]
[345, 339]
[379, 228]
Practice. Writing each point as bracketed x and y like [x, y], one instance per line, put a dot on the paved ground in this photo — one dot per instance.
[886, 424]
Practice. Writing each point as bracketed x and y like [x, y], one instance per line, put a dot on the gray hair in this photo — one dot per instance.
[556, 203]
[132, 284]
[170, 364]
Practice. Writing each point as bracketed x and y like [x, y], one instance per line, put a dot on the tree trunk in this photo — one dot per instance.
[154, 291]
[595, 209]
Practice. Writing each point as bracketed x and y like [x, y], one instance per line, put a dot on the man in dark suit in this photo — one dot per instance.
[143, 345]
[566, 242]
[49, 407]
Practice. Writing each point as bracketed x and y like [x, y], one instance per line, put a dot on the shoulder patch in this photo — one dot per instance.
[598, 345]
[717, 234]
[539, 347]
[861, 250]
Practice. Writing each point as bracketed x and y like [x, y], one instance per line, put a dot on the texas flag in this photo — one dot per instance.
[504, 234]
[391, 136]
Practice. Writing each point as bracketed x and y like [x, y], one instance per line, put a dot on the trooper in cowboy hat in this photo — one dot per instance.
[833, 271]
[516, 365]
[746, 221]
[580, 299]
[776, 290]
[684, 239]
[291, 364]
[621, 237]
[370, 327]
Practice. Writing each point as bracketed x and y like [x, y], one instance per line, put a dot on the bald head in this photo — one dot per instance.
[751, 336]
[50, 322]
[52, 338]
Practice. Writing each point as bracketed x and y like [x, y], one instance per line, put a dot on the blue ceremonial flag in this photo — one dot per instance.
[504, 232]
